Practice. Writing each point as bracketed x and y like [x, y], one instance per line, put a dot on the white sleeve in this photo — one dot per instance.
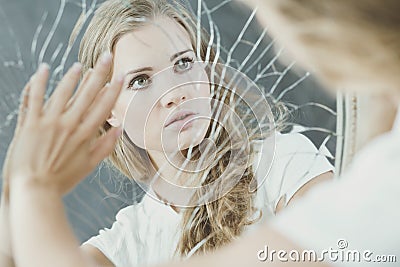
[113, 242]
[358, 213]
[297, 161]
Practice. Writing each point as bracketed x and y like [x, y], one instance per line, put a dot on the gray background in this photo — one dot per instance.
[93, 204]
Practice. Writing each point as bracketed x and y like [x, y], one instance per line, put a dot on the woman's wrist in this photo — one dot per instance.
[30, 185]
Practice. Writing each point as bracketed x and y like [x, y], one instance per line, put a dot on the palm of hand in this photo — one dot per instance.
[56, 145]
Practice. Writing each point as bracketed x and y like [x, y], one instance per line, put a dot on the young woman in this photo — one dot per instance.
[171, 95]
[354, 220]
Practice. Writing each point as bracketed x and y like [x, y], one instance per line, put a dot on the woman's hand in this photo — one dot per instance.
[55, 144]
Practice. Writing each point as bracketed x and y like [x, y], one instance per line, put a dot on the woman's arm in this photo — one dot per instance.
[6, 255]
[96, 255]
[244, 252]
[56, 148]
[6, 259]
[40, 231]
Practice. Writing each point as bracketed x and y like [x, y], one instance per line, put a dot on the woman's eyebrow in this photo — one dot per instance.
[180, 53]
[139, 70]
[151, 69]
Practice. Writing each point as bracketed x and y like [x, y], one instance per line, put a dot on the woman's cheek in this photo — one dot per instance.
[135, 120]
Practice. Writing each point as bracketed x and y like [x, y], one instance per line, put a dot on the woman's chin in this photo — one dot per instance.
[187, 140]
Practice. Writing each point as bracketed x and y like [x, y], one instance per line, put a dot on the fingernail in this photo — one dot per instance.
[43, 67]
[77, 67]
[105, 58]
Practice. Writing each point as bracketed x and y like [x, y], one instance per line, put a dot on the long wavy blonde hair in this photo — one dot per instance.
[215, 223]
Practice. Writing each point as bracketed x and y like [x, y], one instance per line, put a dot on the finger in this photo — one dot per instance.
[37, 90]
[104, 145]
[78, 92]
[101, 107]
[99, 95]
[94, 84]
[23, 106]
[64, 90]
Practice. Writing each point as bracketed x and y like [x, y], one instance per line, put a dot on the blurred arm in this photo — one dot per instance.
[49, 231]
[6, 259]
[244, 252]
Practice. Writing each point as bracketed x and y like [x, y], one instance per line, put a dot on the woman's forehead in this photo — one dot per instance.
[163, 35]
[157, 41]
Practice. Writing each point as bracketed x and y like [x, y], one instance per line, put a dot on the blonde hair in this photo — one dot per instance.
[362, 32]
[217, 222]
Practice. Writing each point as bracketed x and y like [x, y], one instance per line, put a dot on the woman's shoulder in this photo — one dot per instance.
[149, 209]
[294, 147]
[289, 142]
[285, 162]
[135, 227]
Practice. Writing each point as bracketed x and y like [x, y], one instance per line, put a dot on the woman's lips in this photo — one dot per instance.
[180, 119]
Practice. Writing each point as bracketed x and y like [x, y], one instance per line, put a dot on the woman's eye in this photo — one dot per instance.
[139, 82]
[183, 64]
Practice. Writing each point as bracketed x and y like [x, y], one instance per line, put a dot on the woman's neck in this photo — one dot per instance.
[169, 182]
[168, 166]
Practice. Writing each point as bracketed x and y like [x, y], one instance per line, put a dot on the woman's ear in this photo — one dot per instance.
[113, 120]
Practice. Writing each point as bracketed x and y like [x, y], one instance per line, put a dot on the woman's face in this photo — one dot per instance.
[165, 102]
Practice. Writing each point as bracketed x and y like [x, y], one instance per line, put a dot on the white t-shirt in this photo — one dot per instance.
[148, 232]
[355, 215]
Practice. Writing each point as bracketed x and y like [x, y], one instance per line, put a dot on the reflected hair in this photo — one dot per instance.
[366, 32]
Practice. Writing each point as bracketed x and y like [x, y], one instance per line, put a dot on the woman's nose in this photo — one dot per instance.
[173, 98]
